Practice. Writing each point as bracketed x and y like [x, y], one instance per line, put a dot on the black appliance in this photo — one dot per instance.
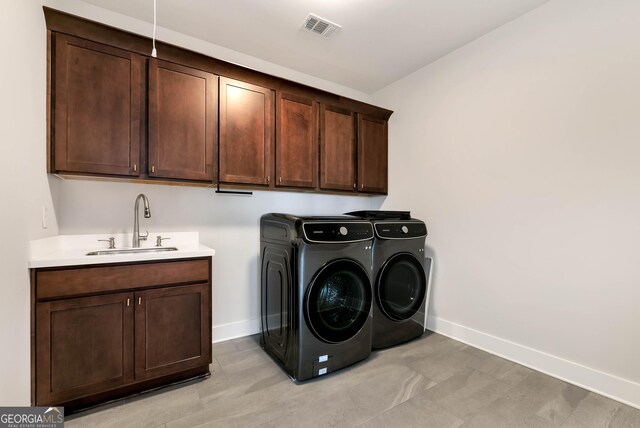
[381, 215]
[400, 281]
[316, 292]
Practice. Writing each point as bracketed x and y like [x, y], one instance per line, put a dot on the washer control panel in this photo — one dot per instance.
[337, 231]
[400, 230]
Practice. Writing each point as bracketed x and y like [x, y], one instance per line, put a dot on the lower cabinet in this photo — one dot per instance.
[172, 330]
[83, 346]
[96, 348]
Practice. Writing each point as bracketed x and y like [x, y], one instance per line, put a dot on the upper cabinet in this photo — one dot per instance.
[114, 111]
[182, 122]
[296, 141]
[96, 108]
[246, 132]
[372, 154]
[341, 157]
[337, 149]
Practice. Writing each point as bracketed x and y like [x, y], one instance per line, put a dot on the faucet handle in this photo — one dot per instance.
[144, 237]
[111, 241]
[159, 240]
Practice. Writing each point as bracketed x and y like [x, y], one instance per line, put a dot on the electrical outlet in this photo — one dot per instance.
[44, 217]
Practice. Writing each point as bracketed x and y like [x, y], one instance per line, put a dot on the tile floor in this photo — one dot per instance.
[429, 382]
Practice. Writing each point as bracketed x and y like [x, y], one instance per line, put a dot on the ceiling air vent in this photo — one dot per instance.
[320, 26]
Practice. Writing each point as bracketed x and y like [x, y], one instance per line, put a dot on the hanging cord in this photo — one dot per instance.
[153, 51]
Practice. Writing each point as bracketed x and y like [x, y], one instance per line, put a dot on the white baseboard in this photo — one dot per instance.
[235, 329]
[622, 390]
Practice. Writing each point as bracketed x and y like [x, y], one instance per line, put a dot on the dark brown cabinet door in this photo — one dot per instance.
[296, 141]
[246, 132]
[372, 154]
[173, 330]
[96, 115]
[83, 346]
[182, 122]
[337, 149]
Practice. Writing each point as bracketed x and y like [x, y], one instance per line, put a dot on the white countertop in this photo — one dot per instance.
[71, 250]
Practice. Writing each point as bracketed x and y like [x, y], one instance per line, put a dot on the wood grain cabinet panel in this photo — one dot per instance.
[337, 149]
[74, 281]
[182, 122]
[83, 346]
[118, 339]
[246, 132]
[173, 330]
[96, 117]
[296, 141]
[372, 154]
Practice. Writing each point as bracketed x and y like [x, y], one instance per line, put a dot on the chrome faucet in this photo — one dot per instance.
[136, 227]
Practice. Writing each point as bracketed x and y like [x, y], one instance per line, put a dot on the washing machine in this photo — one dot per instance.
[400, 281]
[316, 292]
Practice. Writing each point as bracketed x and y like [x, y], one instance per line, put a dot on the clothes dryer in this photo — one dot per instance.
[316, 292]
[400, 281]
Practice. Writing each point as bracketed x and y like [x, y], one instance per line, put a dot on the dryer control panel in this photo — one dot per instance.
[337, 231]
[400, 230]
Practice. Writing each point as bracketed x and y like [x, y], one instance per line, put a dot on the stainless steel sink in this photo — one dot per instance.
[132, 250]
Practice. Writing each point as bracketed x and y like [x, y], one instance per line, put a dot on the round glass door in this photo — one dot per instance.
[338, 301]
[401, 287]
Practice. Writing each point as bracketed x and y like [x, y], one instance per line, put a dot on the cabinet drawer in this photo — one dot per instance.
[84, 280]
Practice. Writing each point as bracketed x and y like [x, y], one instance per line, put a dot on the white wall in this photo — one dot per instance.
[227, 223]
[521, 150]
[24, 185]
[94, 13]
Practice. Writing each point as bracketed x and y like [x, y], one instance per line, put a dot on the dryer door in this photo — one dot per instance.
[401, 287]
[338, 301]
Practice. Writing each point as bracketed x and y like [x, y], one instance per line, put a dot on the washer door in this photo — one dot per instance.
[338, 301]
[401, 287]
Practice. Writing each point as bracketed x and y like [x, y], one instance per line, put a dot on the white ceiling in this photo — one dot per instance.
[380, 42]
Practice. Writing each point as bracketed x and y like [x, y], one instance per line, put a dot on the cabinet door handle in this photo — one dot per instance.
[354, 186]
[280, 181]
[139, 301]
[268, 179]
[153, 168]
[361, 186]
[128, 302]
[135, 167]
